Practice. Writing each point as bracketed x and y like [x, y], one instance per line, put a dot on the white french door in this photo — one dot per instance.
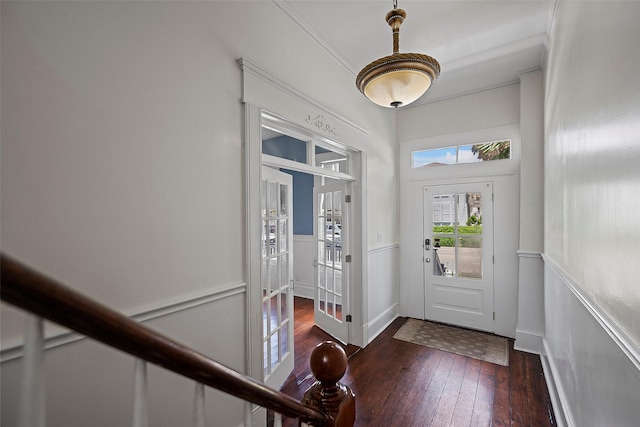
[276, 207]
[458, 254]
[331, 278]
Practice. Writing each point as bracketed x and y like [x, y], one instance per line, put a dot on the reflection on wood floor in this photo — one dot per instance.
[402, 384]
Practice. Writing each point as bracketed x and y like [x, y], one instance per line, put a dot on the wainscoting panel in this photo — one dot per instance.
[592, 370]
[530, 326]
[384, 283]
[303, 269]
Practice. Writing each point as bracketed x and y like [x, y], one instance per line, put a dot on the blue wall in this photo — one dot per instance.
[293, 149]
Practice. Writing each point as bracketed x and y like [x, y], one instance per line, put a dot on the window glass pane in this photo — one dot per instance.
[272, 202]
[467, 155]
[444, 213]
[321, 204]
[265, 278]
[496, 150]
[283, 146]
[329, 253]
[321, 276]
[275, 360]
[321, 228]
[272, 237]
[263, 198]
[265, 351]
[472, 206]
[274, 278]
[284, 276]
[321, 248]
[338, 307]
[482, 152]
[265, 240]
[284, 340]
[437, 157]
[445, 259]
[283, 199]
[470, 257]
[273, 314]
[329, 159]
[282, 233]
[265, 318]
[322, 297]
[283, 305]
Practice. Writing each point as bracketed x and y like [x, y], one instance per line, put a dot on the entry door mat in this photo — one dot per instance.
[465, 342]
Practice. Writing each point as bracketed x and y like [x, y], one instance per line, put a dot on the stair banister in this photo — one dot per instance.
[38, 294]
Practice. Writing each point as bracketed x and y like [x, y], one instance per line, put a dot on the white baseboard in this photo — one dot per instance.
[376, 326]
[303, 290]
[556, 393]
[528, 341]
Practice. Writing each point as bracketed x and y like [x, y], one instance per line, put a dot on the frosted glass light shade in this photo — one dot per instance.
[401, 78]
[398, 79]
[397, 88]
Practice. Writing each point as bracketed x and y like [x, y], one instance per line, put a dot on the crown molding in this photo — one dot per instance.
[315, 36]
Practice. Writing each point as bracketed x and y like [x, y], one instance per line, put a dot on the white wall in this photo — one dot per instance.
[303, 268]
[592, 176]
[530, 327]
[122, 164]
[480, 117]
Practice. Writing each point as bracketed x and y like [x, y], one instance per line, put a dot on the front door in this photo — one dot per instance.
[331, 278]
[276, 206]
[458, 254]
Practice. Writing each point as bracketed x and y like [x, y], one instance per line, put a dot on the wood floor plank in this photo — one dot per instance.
[466, 399]
[400, 384]
[450, 393]
[431, 399]
[518, 390]
[483, 404]
[502, 398]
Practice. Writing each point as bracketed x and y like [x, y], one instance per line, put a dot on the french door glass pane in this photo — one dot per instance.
[272, 202]
[283, 200]
[284, 340]
[282, 233]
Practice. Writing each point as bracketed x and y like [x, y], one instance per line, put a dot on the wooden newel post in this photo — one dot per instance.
[328, 364]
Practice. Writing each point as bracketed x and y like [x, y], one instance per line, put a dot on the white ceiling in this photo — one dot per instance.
[479, 44]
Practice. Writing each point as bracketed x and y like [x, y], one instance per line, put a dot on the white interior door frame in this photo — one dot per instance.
[264, 92]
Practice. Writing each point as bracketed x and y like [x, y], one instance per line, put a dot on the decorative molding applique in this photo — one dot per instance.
[320, 123]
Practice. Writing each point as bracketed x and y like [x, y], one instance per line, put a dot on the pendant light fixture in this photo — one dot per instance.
[401, 78]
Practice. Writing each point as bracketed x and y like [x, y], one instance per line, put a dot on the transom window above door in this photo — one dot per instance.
[472, 153]
[288, 147]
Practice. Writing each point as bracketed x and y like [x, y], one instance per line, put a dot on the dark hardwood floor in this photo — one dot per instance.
[402, 384]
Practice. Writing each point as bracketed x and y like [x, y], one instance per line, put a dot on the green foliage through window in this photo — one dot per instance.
[440, 232]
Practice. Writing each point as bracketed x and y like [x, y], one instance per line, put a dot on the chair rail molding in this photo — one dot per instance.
[58, 336]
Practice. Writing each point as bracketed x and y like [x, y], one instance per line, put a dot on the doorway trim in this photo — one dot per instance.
[264, 93]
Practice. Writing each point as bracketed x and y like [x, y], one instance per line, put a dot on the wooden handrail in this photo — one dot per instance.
[47, 298]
